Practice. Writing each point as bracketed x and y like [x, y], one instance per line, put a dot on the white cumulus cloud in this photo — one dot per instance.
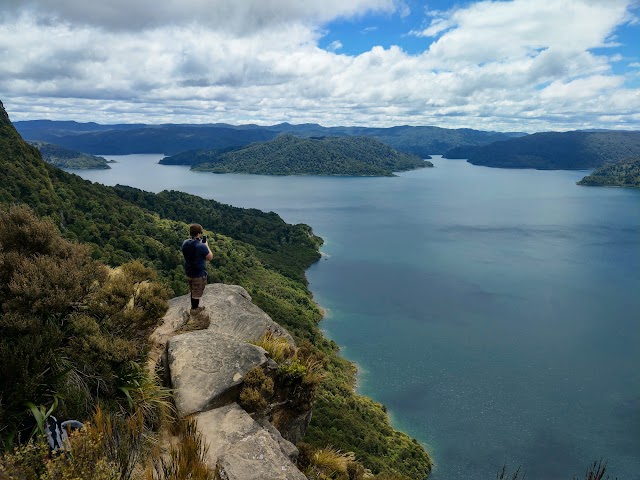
[503, 65]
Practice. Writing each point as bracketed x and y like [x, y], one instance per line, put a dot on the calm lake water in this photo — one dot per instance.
[495, 312]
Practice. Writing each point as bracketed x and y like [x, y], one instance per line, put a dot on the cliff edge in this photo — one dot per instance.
[205, 359]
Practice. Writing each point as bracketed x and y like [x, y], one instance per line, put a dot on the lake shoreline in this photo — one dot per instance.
[470, 297]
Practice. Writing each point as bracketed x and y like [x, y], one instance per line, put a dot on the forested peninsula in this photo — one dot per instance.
[554, 150]
[65, 158]
[291, 155]
[101, 263]
[621, 174]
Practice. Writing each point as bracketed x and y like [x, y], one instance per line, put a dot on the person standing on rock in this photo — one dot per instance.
[196, 253]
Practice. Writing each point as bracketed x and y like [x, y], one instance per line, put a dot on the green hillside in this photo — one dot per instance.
[251, 248]
[64, 158]
[554, 150]
[291, 155]
[621, 174]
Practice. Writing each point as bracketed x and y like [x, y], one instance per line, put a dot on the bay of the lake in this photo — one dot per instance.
[495, 312]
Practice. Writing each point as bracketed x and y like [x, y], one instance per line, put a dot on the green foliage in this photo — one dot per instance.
[32, 461]
[257, 391]
[147, 397]
[25, 462]
[291, 155]
[69, 330]
[41, 414]
[353, 421]
[621, 174]
[288, 249]
[554, 150]
[64, 158]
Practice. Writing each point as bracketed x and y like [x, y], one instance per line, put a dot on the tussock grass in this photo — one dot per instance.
[186, 461]
[278, 348]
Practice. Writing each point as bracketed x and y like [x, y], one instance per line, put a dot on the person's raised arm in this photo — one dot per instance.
[210, 254]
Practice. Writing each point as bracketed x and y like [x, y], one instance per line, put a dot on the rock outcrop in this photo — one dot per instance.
[241, 449]
[206, 369]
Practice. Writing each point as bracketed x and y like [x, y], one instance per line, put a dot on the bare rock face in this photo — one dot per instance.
[292, 425]
[241, 449]
[230, 311]
[207, 368]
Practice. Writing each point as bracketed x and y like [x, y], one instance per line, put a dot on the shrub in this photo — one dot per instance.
[68, 327]
[87, 459]
[24, 462]
[257, 391]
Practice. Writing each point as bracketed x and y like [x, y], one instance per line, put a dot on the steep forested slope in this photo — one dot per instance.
[554, 150]
[254, 249]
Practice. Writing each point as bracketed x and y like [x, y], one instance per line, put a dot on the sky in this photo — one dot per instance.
[508, 65]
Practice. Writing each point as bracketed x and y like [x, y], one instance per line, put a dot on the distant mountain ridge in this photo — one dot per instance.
[291, 155]
[170, 139]
[554, 150]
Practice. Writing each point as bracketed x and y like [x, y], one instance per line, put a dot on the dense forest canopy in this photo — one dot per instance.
[620, 174]
[554, 150]
[65, 158]
[291, 155]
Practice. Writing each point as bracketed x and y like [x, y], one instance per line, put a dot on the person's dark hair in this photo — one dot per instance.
[195, 229]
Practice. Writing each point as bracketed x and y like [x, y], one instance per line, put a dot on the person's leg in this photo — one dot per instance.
[197, 290]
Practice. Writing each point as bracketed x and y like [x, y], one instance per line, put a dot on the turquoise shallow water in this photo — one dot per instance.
[496, 312]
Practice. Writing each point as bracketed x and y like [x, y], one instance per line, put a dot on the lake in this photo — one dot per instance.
[495, 312]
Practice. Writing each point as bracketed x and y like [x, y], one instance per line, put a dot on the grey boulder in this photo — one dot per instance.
[240, 449]
[206, 368]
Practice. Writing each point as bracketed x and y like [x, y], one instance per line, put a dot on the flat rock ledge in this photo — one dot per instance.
[206, 369]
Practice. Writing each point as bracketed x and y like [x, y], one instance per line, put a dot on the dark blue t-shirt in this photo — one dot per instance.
[195, 261]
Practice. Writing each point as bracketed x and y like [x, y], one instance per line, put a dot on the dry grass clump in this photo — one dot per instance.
[186, 461]
[331, 463]
[278, 348]
[195, 321]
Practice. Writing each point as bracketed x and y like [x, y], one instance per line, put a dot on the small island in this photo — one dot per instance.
[64, 158]
[621, 174]
[291, 155]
